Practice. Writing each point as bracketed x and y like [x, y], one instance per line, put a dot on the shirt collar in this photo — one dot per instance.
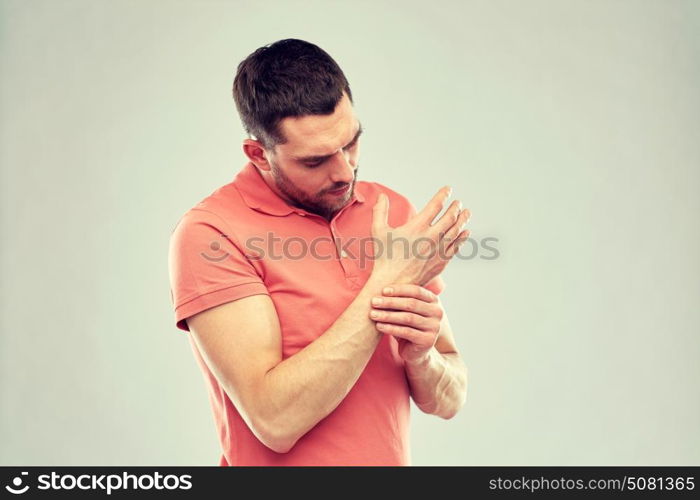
[259, 196]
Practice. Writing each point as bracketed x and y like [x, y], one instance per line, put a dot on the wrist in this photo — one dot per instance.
[378, 280]
[420, 361]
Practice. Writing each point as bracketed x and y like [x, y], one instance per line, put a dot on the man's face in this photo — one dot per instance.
[316, 168]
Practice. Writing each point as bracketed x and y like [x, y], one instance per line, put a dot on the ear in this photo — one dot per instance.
[256, 153]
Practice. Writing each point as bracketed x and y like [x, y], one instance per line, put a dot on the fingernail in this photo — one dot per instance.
[376, 301]
[374, 314]
[388, 291]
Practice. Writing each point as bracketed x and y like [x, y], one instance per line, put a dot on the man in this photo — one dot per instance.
[311, 340]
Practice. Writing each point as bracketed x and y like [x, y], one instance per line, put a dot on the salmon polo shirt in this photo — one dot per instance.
[242, 240]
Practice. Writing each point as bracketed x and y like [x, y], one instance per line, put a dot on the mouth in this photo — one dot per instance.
[340, 192]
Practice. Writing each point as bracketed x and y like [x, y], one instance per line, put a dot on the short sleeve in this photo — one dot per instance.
[207, 267]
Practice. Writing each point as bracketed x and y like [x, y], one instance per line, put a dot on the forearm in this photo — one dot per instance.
[438, 383]
[304, 388]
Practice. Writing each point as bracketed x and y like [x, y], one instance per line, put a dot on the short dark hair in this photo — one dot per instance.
[290, 77]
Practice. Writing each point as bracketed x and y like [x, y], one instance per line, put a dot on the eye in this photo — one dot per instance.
[313, 164]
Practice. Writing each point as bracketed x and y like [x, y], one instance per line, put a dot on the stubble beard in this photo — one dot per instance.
[316, 204]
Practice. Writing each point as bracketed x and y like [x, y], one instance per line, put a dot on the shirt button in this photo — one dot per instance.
[343, 254]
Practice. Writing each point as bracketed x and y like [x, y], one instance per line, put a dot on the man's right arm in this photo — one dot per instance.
[281, 400]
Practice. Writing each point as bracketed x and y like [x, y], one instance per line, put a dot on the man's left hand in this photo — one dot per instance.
[412, 314]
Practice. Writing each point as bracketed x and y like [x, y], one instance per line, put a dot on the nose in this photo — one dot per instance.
[343, 172]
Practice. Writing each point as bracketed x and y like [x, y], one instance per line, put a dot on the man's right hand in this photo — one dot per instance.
[420, 249]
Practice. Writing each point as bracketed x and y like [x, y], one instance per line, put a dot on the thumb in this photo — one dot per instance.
[380, 213]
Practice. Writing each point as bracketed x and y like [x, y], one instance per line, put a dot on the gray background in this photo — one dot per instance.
[569, 128]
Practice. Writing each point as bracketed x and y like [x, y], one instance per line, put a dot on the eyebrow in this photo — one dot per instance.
[311, 159]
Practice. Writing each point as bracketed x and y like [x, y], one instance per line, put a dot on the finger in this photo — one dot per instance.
[380, 214]
[449, 218]
[434, 206]
[409, 290]
[454, 247]
[457, 227]
[417, 337]
[408, 304]
[402, 318]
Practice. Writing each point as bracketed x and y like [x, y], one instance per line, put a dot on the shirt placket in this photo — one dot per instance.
[348, 259]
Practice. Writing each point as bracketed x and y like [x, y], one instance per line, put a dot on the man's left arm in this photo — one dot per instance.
[434, 368]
